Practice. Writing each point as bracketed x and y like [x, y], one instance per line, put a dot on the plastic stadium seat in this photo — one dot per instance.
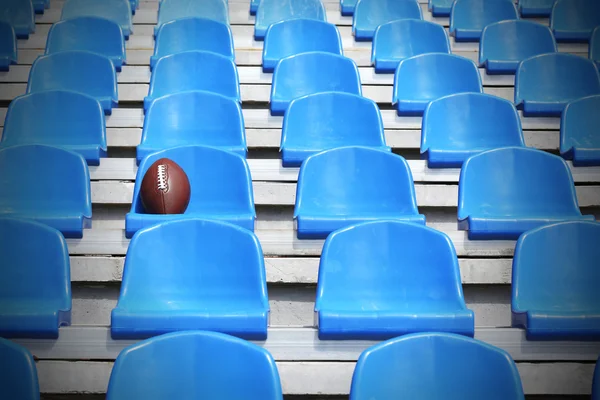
[70, 120]
[505, 192]
[369, 14]
[555, 281]
[19, 14]
[193, 70]
[189, 118]
[579, 135]
[272, 11]
[221, 188]
[171, 10]
[254, 6]
[308, 73]
[440, 8]
[8, 46]
[545, 84]
[468, 18]
[426, 77]
[118, 11]
[39, 6]
[461, 125]
[98, 35]
[594, 49]
[199, 33]
[295, 36]
[348, 185]
[398, 40]
[574, 20]
[429, 366]
[383, 279]
[347, 7]
[35, 289]
[535, 8]
[328, 120]
[19, 379]
[194, 365]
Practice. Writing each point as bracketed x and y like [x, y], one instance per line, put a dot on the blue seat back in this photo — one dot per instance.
[118, 11]
[19, 378]
[579, 128]
[574, 20]
[440, 8]
[171, 10]
[272, 11]
[469, 17]
[8, 46]
[19, 14]
[594, 49]
[535, 8]
[369, 14]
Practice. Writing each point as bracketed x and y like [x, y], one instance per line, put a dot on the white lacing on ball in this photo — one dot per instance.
[162, 177]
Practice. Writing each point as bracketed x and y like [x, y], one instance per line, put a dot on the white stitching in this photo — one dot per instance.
[162, 177]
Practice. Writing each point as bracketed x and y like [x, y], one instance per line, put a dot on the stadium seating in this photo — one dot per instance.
[328, 120]
[19, 14]
[579, 138]
[347, 7]
[308, 73]
[19, 378]
[397, 278]
[195, 364]
[172, 10]
[272, 11]
[594, 49]
[431, 366]
[254, 6]
[505, 192]
[535, 8]
[39, 6]
[8, 46]
[295, 36]
[426, 77]
[369, 14]
[398, 40]
[574, 20]
[35, 289]
[349, 185]
[545, 84]
[468, 18]
[440, 8]
[70, 120]
[118, 11]
[484, 122]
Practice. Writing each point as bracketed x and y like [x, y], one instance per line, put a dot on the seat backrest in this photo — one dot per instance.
[272, 11]
[172, 10]
[19, 14]
[469, 17]
[18, 377]
[369, 14]
[579, 125]
[574, 20]
[118, 11]
[8, 43]
[535, 8]
[594, 49]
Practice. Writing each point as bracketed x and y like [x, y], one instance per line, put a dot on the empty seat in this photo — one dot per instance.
[171, 10]
[272, 11]
[118, 11]
[19, 378]
[8, 46]
[545, 84]
[426, 77]
[369, 14]
[347, 7]
[461, 125]
[65, 119]
[383, 279]
[535, 8]
[221, 188]
[307, 73]
[440, 8]
[574, 20]
[505, 192]
[194, 364]
[295, 36]
[254, 6]
[594, 49]
[19, 14]
[35, 289]
[98, 35]
[40, 5]
[398, 40]
[199, 33]
[431, 366]
[505, 44]
[349, 185]
[468, 18]
[580, 132]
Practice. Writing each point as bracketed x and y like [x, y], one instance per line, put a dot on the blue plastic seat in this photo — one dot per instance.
[545, 84]
[221, 188]
[535, 8]
[594, 48]
[272, 11]
[19, 378]
[440, 8]
[295, 36]
[193, 70]
[199, 33]
[579, 136]
[431, 366]
[98, 35]
[427, 77]
[382, 279]
[172, 10]
[8, 46]
[574, 20]
[468, 18]
[70, 120]
[348, 185]
[39, 6]
[118, 11]
[308, 73]
[397, 40]
[461, 125]
[505, 192]
[347, 7]
[35, 289]
[254, 6]
[369, 14]
[194, 365]
[555, 279]
[328, 120]
[19, 14]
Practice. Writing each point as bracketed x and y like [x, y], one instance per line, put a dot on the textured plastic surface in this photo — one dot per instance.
[328, 120]
[468, 18]
[555, 280]
[199, 33]
[545, 84]
[194, 364]
[505, 192]
[397, 40]
[64, 119]
[348, 185]
[8, 46]
[535, 8]
[216, 10]
[574, 20]
[383, 279]
[594, 49]
[20, 14]
[308, 73]
[35, 289]
[440, 8]
[193, 70]
[579, 132]
[426, 77]
[431, 366]
[369, 14]
[295, 36]
[118, 11]
[221, 188]
[19, 379]
[272, 11]
[98, 35]
[193, 118]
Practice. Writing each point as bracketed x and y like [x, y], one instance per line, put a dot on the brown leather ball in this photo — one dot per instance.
[165, 188]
